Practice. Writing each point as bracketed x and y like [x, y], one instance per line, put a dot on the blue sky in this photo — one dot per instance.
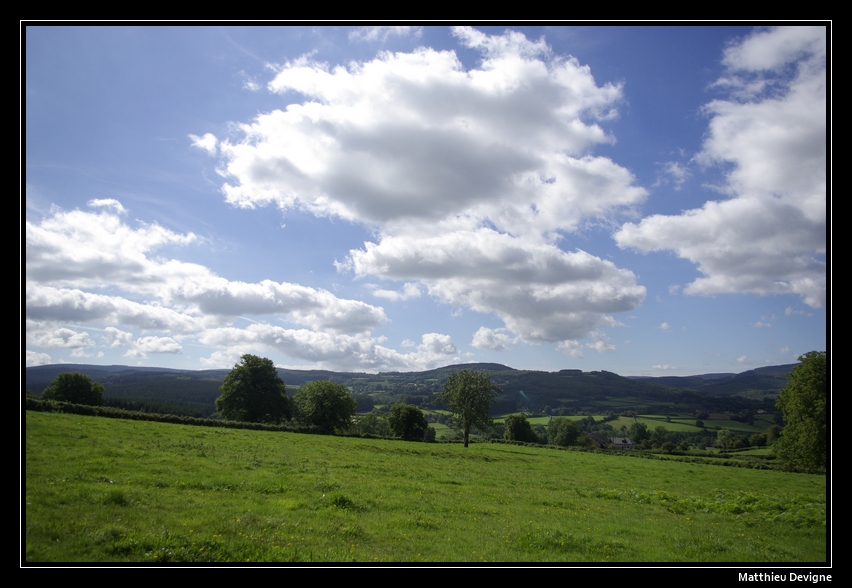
[642, 200]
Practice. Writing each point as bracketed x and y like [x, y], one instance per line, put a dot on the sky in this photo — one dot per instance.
[642, 200]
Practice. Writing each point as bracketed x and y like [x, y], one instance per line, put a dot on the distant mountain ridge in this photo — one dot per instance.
[195, 391]
[768, 378]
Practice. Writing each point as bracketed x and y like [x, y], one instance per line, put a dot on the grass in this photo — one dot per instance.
[103, 490]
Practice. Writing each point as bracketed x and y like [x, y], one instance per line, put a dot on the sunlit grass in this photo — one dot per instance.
[110, 490]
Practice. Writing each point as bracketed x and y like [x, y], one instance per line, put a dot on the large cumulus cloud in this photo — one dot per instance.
[471, 178]
[769, 236]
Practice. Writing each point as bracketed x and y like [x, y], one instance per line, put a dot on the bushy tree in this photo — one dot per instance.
[76, 388]
[407, 421]
[518, 428]
[659, 436]
[804, 443]
[563, 432]
[325, 405]
[724, 439]
[469, 395]
[254, 392]
[639, 432]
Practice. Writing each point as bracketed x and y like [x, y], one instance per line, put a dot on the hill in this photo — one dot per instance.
[567, 391]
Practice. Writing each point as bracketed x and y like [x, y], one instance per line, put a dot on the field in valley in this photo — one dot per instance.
[103, 490]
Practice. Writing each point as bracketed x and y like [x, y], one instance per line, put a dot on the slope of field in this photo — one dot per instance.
[101, 490]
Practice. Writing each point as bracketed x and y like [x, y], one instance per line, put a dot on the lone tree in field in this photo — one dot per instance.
[76, 388]
[469, 394]
[254, 392]
[803, 443]
[325, 405]
[407, 421]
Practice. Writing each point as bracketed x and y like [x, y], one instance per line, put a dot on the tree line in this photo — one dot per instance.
[254, 392]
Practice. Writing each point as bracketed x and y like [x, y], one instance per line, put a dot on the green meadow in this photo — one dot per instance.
[110, 490]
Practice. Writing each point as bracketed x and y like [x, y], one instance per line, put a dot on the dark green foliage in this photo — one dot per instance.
[659, 436]
[757, 440]
[75, 388]
[325, 405]
[373, 424]
[772, 434]
[518, 428]
[407, 421]
[563, 432]
[724, 439]
[253, 392]
[151, 406]
[803, 444]
[469, 395]
[639, 432]
[567, 392]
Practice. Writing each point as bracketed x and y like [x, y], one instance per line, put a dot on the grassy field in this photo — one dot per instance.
[100, 490]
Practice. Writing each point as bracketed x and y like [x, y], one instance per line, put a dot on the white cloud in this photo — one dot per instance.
[382, 33]
[674, 172]
[48, 304]
[542, 293]
[74, 258]
[34, 358]
[325, 349]
[145, 345]
[409, 290]
[117, 338]
[664, 367]
[208, 142]
[83, 250]
[761, 325]
[744, 360]
[493, 339]
[445, 162]
[771, 132]
[771, 49]
[664, 327]
[107, 203]
[571, 348]
[600, 343]
[46, 337]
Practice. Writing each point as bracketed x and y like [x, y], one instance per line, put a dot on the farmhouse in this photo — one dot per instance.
[623, 443]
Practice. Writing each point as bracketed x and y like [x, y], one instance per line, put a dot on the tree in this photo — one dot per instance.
[325, 405]
[469, 395]
[254, 392]
[723, 439]
[803, 443]
[518, 428]
[659, 436]
[639, 432]
[407, 421]
[76, 388]
[563, 432]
